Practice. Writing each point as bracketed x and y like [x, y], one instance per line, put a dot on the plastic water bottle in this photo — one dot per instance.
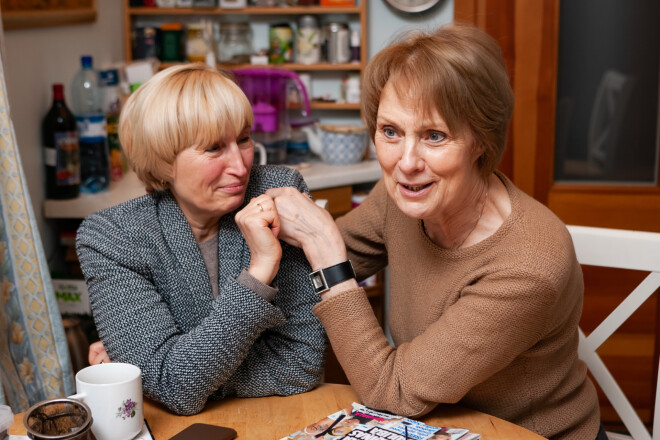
[87, 106]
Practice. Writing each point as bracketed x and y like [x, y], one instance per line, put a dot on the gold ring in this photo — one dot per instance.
[260, 207]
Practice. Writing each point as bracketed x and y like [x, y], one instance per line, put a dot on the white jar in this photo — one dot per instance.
[308, 40]
[353, 90]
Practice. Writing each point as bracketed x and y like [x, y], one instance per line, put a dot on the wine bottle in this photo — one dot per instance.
[61, 151]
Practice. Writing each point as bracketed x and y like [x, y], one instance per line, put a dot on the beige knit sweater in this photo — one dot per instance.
[492, 326]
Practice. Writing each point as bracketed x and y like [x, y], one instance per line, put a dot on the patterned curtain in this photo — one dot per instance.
[34, 359]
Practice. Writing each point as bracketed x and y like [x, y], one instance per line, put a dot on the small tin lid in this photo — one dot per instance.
[280, 25]
[308, 21]
[335, 27]
[171, 27]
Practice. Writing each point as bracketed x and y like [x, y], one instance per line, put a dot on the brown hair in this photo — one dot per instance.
[182, 106]
[461, 69]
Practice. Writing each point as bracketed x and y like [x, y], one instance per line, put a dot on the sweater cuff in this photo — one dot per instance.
[263, 290]
[348, 298]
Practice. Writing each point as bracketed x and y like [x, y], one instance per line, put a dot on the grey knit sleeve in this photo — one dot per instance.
[286, 358]
[134, 319]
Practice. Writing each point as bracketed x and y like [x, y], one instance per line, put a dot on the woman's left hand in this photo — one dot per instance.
[97, 354]
[260, 224]
[306, 225]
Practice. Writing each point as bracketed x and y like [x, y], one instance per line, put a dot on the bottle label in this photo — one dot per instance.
[50, 156]
[67, 158]
[92, 128]
[114, 148]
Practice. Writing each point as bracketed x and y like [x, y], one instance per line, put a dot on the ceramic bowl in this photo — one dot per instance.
[343, 145]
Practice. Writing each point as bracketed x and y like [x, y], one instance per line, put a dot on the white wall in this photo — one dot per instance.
[385, 22]
[37, 58]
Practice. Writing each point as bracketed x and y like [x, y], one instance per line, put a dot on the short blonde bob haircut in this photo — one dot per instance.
[182, 106]
[457, 70]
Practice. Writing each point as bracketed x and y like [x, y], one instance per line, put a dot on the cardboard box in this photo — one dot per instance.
[72, 296]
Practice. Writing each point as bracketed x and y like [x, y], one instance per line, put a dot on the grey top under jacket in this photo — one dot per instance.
[153, 304]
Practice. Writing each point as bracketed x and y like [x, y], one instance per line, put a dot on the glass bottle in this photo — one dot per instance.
[61, 150]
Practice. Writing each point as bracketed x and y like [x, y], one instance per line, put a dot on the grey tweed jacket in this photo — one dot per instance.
[153, 306]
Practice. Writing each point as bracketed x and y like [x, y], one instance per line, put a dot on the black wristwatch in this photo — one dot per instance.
[324, 279]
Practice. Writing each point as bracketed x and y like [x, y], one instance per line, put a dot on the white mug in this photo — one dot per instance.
[262, 152]
[113, 392]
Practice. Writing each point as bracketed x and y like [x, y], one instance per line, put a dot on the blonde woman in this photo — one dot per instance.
[190, 282]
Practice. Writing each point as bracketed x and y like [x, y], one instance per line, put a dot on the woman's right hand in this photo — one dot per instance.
[260, 225]
[305, 224]
[97, 354]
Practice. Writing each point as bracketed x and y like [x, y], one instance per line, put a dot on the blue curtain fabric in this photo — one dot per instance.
[34, 359]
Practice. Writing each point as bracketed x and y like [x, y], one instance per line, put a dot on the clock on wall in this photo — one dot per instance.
[412, 6]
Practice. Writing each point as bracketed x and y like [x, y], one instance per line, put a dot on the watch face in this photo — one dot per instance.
[412, 5]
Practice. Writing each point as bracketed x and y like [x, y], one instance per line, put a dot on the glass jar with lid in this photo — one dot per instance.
[308, 40]
[235, 43]
[195, 43]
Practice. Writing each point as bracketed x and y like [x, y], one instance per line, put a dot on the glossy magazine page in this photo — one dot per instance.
[361, 422]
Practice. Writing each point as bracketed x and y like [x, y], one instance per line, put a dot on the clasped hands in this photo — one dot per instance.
[289, 215]
[279, 214]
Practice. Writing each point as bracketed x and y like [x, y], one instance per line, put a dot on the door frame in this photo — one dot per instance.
[528, 33]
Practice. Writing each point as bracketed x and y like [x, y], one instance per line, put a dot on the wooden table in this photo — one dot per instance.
[271, 418]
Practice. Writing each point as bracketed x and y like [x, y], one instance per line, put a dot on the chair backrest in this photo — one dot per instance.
[634, 250]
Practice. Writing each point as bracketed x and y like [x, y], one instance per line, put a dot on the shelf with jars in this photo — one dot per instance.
[350, 21]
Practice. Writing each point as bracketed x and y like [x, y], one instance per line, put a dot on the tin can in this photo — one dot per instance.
[335, 48]
[281, 43]
[171, 35]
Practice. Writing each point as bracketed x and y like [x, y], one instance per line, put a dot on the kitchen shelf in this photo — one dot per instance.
[297, 10]
[319, 105]
[318, 67]
[134, 15]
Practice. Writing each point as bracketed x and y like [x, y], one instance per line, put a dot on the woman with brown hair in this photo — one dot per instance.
[485, 289]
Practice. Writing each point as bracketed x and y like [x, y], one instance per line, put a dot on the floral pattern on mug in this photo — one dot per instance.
[126, 410]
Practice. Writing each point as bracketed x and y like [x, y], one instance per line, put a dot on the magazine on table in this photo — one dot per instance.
[363, 423]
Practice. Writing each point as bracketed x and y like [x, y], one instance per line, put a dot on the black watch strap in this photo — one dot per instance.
[324, 279]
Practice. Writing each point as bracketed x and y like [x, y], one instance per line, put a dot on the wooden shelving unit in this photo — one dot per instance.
[134, 14]
[337, 194]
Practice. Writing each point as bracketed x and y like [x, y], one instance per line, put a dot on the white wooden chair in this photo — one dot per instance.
[634, 250]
